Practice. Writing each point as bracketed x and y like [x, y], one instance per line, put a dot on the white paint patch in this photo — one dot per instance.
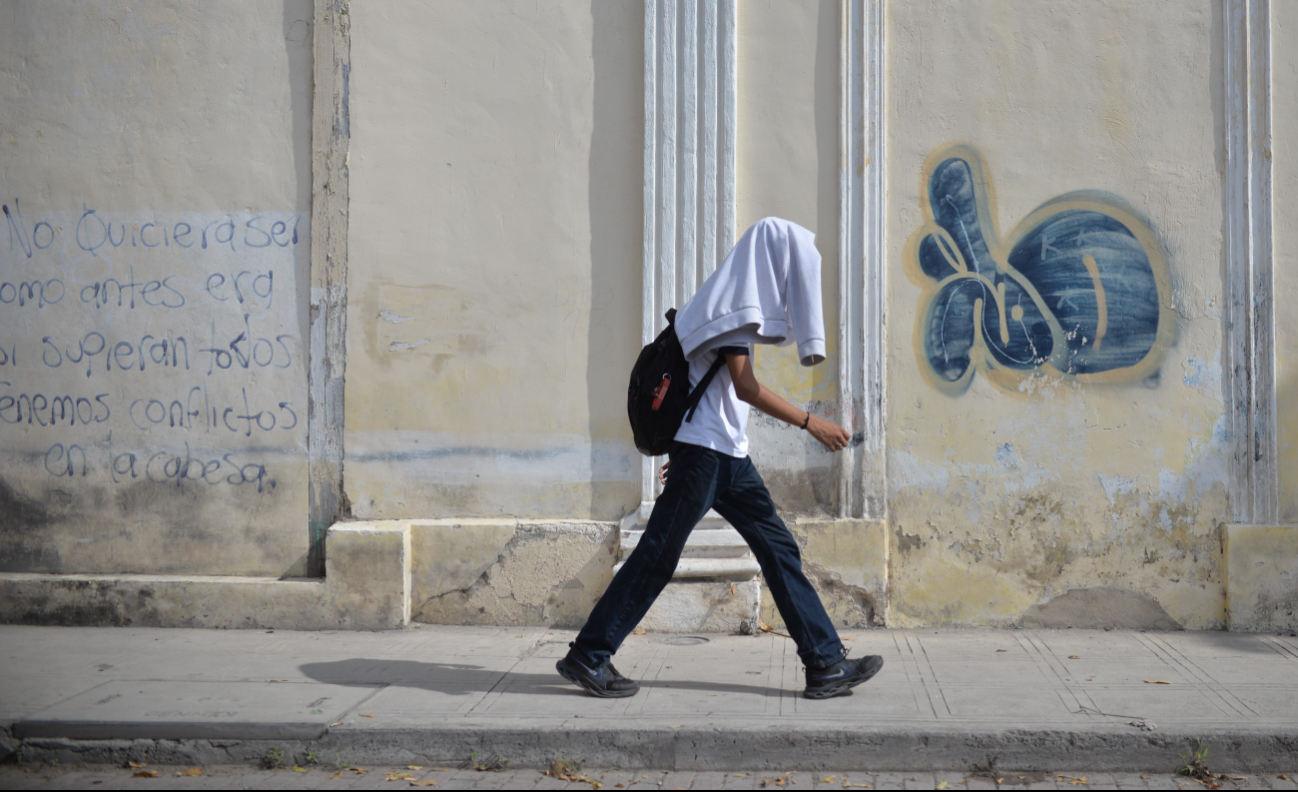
[1203, 375]
[397, 346]
[907, 470]
[388, 316]
[1115, 486]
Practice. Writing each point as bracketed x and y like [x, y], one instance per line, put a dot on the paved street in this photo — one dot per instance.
[433, 696]
[400, 777]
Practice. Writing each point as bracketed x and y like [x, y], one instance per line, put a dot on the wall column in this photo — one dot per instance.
[1260, 557]
[689, 158]
[1250, 329]
[862, 481]
[330, 140]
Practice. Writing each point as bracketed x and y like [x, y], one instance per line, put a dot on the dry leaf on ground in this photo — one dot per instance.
[414, 767]
[193, 772]
[145, 774]
[1001, 650]
[562, 772]
[942, 785]
[336, 776]
[1157, 682]
[357, 770]
[299, 769]
[367, 714]
[639, 631]
[1074, 657]
[394, 775]
[276, 680]
[136, 765]
[429, 782]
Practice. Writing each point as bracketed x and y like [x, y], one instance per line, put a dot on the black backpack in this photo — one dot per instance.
[659, 396]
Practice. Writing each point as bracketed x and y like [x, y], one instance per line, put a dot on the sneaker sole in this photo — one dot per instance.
[597, 692]
[845, 685]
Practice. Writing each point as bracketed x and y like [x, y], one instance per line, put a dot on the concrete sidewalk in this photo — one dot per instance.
[945, 700]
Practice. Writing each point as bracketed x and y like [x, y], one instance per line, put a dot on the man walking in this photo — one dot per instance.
[767, 287]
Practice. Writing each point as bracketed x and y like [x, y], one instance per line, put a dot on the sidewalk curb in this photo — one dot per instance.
[711, 749]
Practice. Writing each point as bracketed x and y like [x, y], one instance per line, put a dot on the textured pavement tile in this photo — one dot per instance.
[705, 779]
[676, 780]
[890, 780]
[743, 781]
[953, 780]
[1162, 781]
[507, 779]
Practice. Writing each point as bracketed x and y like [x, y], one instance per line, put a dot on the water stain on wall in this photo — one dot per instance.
[1078, 290]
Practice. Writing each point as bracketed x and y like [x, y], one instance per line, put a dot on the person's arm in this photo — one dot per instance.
[748, 389]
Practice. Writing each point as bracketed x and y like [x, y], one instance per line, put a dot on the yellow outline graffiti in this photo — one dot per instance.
[1056, 364]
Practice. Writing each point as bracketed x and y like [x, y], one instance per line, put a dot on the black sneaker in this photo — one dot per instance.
[604, 681]
[823, 683]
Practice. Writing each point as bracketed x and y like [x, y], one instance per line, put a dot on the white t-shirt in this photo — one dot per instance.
[721, 420]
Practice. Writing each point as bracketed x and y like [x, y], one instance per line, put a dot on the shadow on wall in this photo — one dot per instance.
[1078, 290]
[615, 208]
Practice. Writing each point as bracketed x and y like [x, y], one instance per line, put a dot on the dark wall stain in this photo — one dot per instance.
[907, 542]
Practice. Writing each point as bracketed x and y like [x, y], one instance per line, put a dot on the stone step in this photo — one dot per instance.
[713, 569]
[714, 606]
[715, 587]
[713, 543]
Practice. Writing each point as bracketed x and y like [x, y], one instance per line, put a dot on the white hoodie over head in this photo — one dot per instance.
[767, 286]
[767, 291]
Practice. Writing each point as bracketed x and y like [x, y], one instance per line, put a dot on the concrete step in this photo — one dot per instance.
[713, 543]
[713, 568]
[715, 587]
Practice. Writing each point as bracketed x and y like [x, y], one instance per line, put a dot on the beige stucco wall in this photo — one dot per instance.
[1284, 149]
[1004, 498]
[787, 151]
[160, 124]
[494, 276]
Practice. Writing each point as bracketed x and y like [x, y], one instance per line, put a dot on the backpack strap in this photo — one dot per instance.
[696, 395]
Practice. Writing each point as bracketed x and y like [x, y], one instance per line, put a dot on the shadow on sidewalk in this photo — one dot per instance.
[461, 680]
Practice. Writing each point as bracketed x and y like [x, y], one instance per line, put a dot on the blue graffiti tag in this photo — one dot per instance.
[1079, 290]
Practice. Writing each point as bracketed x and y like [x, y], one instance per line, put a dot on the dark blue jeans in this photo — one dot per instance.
[700, 479]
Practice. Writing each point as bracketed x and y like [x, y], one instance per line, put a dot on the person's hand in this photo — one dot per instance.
[662, 471]
[830, 435]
